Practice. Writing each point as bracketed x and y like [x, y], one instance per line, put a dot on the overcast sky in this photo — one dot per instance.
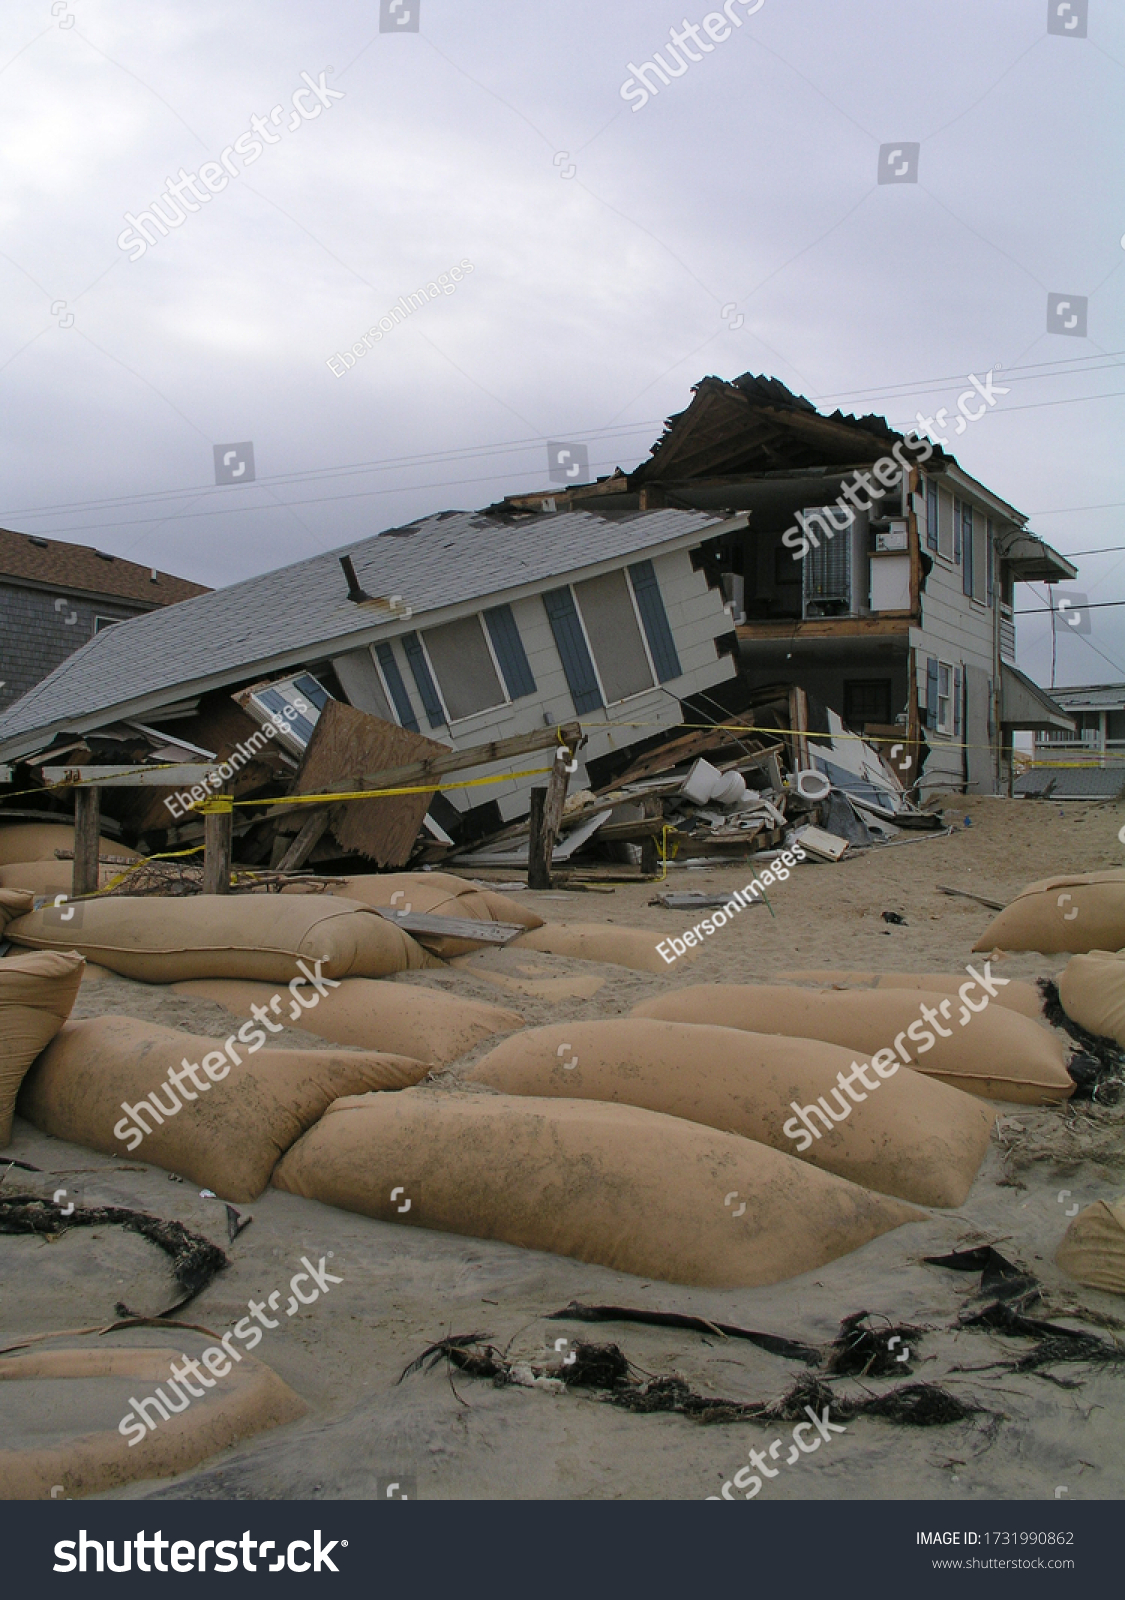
[620, 251]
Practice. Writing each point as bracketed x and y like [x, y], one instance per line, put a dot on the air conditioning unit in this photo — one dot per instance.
[891, 538]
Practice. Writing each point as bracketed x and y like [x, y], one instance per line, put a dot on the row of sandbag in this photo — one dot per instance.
[1069, 914]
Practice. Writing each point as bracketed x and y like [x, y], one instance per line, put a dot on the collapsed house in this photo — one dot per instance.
[900, 616]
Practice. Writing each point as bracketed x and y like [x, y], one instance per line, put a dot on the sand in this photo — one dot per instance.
[405, 1288]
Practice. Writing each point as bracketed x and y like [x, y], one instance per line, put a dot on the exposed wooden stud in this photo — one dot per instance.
[538, 855]
[87, 817]
[218, 839]
[304, 844]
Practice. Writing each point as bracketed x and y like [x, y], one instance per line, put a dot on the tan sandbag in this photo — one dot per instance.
[631, 1189]
[38, 841]
[102, 1081]
[14, 903]
[1092, 993]
[993, 1053]
[49, 877]
[439, 894]
[1093, 1247]
[36, 996]
[76, 1383]
[1017, 996]
[906, 1135]
[599, 941]
[1078, 912]
[375, 1015]
[263, 936]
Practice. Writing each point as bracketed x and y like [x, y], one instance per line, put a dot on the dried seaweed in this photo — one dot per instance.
[1098, 1069]
[862, 1352]
[791, 1349]
[194, 1260]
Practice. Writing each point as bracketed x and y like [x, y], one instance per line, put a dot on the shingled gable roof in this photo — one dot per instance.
[79, 569]
[302, 612]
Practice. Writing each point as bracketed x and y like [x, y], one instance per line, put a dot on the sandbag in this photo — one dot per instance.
[1092, 993]
[51, 878]
[1078, 912]
[38, 841]
[441, 894]
[599, 941]
[102, 1081]
[1017, 996]
[375, 1015]
[630, 1189]
[36, 996]
[98, 1383]
[14, 903]
[160, 940]
[1093, 1247]
[993, 1053]
[907, 1135]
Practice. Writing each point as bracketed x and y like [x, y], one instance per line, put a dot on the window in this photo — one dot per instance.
[606, 607]
[945, 698]
[101, 623]
[989, 558]
[968, 549]
[465, 669]
[867, 700]
[932, 516]
[293, 705]
[942, 686]
[945, 524]
[956, 530]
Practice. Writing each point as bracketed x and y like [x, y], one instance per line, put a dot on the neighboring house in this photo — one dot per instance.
[1099, 735]
[54, 596]
[465, 626]
[901, 621]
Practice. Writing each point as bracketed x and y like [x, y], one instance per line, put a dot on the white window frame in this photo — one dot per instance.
[655, 684]
[945, 725]
[106, 622]
[485, 711]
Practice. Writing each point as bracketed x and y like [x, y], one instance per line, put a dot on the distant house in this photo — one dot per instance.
[54, 596]
[1098, 737]
[898, 616]
[464, 626]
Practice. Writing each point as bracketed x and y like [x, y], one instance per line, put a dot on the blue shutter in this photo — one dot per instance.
[988, 562]
[957, 702]
[510, 652]
[931, 692]
[562, 614]
[396, 688]
[931, 514]
[956, 529]
[426, 687]
[967, 548]
[650, 604]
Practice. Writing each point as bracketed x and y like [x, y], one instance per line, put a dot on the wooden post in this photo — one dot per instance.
[304, 844]
[538, 849]
[87, 824]
[650, 858]
[218, 838]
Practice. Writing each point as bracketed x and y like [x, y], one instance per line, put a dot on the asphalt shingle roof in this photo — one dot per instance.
[79, 566]
[303, 610]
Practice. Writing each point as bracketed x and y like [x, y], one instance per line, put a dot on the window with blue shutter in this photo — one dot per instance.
[654, 619]
[427, 689]
[931, 692]
[510, 653]
[988, 558]
[956, 530]
[957, 702]
[967, 547]
[392, 677]
[562, 614]
[931, 514]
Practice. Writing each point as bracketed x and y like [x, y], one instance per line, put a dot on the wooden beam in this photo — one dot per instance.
[538, 855]
[218, 835]
[87, 816]
[437, 767]
[134, 777]
[305, 843]
[888, 624]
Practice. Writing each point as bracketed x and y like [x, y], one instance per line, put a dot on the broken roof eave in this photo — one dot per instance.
[147, 706]
[1033, 561]
[1026, 708]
